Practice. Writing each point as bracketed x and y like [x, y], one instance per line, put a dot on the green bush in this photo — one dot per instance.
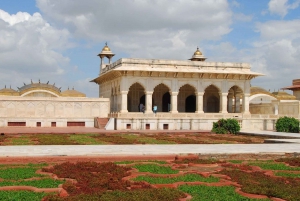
[287, 124]
[224, 126]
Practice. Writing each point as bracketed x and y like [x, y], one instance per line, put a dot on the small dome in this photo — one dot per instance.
[106, 52]
[198, 52]
[282, 95]
[258, 90]
[106, 48]
[9, 92]
[72, 93]
[197, 56]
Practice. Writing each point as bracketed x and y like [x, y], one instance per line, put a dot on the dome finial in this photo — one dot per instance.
[198, 56]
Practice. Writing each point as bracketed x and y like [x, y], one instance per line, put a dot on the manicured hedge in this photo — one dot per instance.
[225, 126]
[287, 124]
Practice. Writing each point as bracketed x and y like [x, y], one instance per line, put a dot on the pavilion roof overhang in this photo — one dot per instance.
[151, 68]
[294, 87]
[224, 74]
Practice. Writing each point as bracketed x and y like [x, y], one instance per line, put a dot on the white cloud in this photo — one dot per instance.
[242, 17]
[281, 7]
[145, 28]
[276, 53]
[30, 49]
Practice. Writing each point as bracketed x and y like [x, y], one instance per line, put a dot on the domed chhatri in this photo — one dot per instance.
[106, 48]
[198, 52]
[106, 52]
[198, 56]
[72, 93]
[8, 92]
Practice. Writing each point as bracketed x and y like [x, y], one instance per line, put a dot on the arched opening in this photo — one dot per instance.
[211, 100]
[161, 97]
[213, 104]
[142, 101]
[234, 100]
[166, 102]
[190, 103]
[186, 101]
[135, 96]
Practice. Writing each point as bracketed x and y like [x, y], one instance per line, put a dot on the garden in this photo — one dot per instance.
[126, 138]
[183, 178]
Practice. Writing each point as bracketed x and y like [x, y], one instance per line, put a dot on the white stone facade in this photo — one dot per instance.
[50, 111]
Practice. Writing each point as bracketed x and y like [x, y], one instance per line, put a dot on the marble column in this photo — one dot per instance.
[174, 102]
[237, 103]
[123, 102]
[148, 101]
[116, 103]
[223, 102]
[199, 102]
[230, 103]
[246, 103]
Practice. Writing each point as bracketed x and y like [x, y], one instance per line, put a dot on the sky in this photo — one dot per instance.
[58, 41]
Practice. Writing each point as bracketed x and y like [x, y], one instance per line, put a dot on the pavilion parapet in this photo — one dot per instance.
[175, 64]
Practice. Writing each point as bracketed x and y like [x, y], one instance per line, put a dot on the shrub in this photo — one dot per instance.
[224, 126]
[287, 124]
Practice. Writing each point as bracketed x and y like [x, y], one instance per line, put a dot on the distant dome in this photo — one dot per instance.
[197, 56]
[258, 90]
[39, 89]
[72, 93]
[198, 52]
[106, 48]
[282, 95]
[106, 52]
[9, 92]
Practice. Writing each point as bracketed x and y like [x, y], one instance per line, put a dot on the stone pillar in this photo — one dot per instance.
[223, 102]
[246, 103]
[230, 103]
[101, 63]
[199, 102]
[275, 106]
[148, 101]
[123, 102]
[237, 103]
[174, 102]
[116, 103]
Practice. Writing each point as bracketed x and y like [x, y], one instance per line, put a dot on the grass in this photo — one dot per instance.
[21, 196]
[270, 165]
[209, 193]
[235, 161]
[288, 174]
[149, 140]
[170, 180]
[156, 169]
[51, 139]
[20, 140]
[161, 194]
[86, 139]
[128, 138]
[19, 173]
[32, 165]
[41, 183]
[149, 161]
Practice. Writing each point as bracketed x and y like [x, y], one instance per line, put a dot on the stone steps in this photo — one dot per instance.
[101, 122]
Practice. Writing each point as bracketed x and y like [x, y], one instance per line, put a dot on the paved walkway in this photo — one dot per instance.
[143, 150]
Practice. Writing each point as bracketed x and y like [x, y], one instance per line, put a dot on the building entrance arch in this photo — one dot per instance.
[135, 96]
[190, 103]
[161, 97]
[211, 99]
